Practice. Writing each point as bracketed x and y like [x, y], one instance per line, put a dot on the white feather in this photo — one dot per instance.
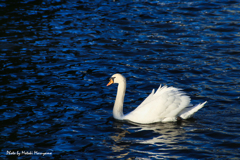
[164, 105]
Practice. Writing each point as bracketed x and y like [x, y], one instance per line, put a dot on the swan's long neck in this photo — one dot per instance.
[118, 105]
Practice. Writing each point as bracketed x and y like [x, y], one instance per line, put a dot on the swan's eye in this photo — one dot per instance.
[112, 78]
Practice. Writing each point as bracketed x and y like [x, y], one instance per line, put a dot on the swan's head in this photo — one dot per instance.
[116, 78]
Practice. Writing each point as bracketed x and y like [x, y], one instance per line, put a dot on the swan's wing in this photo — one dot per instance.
[148, 99]
[163, 105]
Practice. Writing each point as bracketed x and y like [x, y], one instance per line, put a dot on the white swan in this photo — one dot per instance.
[167, 104]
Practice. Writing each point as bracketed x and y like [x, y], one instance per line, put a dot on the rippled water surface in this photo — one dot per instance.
[56, 58]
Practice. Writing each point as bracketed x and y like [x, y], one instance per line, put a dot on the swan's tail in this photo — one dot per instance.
[189, 112]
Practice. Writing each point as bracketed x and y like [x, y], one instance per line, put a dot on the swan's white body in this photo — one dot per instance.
[164, 105]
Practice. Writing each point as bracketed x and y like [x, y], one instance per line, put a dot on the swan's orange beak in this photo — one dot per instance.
[110, 82]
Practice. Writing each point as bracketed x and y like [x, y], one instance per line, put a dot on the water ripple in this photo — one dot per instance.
[56, 58]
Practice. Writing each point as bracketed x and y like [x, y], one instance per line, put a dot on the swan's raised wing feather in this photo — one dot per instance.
[163, 105]
[148, 99]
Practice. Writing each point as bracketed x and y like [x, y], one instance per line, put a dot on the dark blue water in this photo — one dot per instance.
[56, 58]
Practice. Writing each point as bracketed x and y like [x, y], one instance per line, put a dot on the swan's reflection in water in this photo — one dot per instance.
[155, 140]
